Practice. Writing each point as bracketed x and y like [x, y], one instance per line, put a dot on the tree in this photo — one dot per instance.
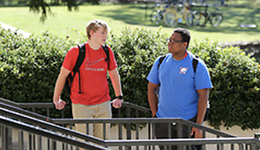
[42, 6]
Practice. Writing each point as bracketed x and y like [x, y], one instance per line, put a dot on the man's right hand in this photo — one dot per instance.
[59, 104]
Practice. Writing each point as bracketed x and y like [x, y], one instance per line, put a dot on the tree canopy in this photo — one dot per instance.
[41, 6]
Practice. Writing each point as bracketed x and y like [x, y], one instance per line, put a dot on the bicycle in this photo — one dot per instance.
[175, 14]
[202, 17]
[157, 14]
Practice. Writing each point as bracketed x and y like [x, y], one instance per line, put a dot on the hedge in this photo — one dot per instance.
[235, 98]
[30, 67]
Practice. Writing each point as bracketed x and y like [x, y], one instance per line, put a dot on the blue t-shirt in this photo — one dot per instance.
[178, 97]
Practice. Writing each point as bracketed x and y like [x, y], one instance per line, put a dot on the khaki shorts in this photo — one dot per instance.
[102, 110]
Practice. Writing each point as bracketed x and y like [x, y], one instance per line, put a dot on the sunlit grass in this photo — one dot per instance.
[133, 15]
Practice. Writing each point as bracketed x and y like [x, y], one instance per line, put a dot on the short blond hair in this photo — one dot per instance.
[94, 25]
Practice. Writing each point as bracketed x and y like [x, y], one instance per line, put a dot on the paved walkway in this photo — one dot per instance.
[13, 29]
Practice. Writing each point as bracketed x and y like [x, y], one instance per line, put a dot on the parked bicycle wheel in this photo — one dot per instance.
[155, 16]
[170, 18]
[216, 19]
[201, 19]
[190, 19]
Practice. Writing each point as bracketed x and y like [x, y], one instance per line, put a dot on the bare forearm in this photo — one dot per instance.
[152, 99]
[115, 79]
[58, 88]
[153, 102]
[60, 83]
[202, 106]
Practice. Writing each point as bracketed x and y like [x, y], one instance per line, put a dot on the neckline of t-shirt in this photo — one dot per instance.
[89, 47]
[185, 55]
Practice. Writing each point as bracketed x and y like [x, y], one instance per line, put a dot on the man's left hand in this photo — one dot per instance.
[117, 103]
[197, 132]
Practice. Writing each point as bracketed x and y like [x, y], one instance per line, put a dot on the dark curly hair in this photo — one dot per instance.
[185, 34]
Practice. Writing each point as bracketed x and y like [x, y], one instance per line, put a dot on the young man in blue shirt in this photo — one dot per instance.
[183, 93]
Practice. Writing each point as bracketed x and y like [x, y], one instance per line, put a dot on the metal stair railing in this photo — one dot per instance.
[15, 107]
[21, 126]
[149, 121]
[141, 142]
[32, 106]
[47, 125]
[49, 106]
[29, 117]
[242, 142]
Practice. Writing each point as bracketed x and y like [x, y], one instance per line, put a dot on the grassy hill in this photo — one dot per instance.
[63, 23]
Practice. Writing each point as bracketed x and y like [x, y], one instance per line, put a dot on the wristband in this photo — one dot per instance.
[119, 97]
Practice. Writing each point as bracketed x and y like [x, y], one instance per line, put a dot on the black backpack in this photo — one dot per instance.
[195, 62]
[80, 60]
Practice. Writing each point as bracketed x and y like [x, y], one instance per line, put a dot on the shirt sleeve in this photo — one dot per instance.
[112, 60]
[153, 76]
[71, 58]
[202, 77]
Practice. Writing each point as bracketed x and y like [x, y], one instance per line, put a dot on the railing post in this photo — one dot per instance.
[241, 146]
[128, 126]
[153, 133]
[3, 137]
[48, 112]
[21, 140]
[252, 146]
[6, 138]
[257, 138]
[120, 134]
[39, 143]
[179, 133]
[222, 146]
[203, 147]
[104, 131]
[53, 145]
[217, 144]
[232, 147]
[137, 133]
[9, 137]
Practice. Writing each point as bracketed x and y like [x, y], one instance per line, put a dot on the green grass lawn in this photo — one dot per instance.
[62, 22]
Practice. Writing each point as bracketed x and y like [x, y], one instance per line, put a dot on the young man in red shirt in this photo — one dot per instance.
[94, 99]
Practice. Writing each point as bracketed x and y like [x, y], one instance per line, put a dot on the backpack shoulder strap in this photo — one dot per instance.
[79, 61]
[161, 60]
[80, 58]
[195, 62]
[105, 48]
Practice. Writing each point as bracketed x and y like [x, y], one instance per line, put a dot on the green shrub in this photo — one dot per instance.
[29, 69]
[258, 60]
[234, 100]
[30, 66]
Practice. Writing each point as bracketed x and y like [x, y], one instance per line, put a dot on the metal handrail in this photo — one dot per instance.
[152, 142]
[57, 128]
[187, 141]
[49, 106]
[49, 126]
[20, 114]
[137, 107]
[113, 120]
[142, 120]
[16, 108]
[47, 133]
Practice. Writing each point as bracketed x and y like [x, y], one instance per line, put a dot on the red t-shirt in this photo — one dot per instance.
[93, 75]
